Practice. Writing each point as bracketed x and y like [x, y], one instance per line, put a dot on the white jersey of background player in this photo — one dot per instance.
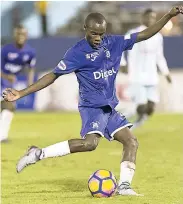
[143, 63]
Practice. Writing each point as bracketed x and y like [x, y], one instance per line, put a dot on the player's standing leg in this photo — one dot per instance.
[6, 116]
[128, 163]
[35, 154]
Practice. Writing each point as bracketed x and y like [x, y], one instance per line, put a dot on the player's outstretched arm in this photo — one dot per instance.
[152, 30]
[13, 95]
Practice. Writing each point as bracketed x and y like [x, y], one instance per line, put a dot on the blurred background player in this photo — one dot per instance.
[14, 58]
[142, 67]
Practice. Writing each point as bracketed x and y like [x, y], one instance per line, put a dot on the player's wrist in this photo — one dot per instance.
[21, 93]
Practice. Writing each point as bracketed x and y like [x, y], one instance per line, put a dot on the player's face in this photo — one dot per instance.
[149, 19]
[20, 36]
[95, 33]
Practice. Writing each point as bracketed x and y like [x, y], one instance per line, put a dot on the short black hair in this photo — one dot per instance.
[148, 11]
[97, 17]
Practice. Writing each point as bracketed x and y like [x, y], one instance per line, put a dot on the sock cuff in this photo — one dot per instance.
[128, 164]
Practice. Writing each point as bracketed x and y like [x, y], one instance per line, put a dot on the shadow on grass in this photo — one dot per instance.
[66, 185]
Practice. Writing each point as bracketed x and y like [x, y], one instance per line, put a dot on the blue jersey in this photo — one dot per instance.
[13, 60]
[96, 69]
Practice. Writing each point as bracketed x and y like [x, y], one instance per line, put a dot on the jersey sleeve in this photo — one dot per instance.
[32, 60]
[125, 42]
[70, 63]
[129, 41]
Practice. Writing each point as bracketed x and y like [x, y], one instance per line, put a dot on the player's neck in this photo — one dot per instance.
[19, 46]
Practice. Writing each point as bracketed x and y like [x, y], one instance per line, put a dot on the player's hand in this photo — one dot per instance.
[176, 10]
[169, 79]
[11, 94]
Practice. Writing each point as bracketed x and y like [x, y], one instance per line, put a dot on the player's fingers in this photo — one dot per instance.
[5, 97]
[180, 8]
[8, 90]
[4, 94]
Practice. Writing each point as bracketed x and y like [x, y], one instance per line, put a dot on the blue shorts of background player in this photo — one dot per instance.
[104, 121]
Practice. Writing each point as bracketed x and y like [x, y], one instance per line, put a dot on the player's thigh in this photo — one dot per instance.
[8, 106]
[126, 137]
[139, 94]
[94, 121]
[117, 122]
[153, 94]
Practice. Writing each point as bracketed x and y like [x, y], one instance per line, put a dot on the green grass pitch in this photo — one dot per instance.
[159, 170]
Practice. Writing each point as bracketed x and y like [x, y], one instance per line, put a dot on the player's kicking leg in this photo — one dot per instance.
[6, 116]
[34, 154]
[127, 168]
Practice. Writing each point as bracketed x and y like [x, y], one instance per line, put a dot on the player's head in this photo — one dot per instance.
[95, 28]
[149, 17]
[20, 35]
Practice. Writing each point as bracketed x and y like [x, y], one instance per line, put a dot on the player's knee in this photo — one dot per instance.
[89, 145]
[133, 143]
[150, 109]
[141, 109]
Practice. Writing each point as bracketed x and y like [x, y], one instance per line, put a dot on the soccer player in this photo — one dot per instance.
[95, 61]
[142, 70]
[14, 58]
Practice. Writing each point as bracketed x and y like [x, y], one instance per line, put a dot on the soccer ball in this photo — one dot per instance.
[102, 183]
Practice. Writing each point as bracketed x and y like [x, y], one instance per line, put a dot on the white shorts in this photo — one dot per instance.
[142, 94]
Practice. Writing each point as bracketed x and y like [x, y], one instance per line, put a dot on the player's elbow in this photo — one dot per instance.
[143, 36]
[50, 78]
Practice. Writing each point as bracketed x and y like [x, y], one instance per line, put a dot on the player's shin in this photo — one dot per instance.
[127, 167]
[127, 171]
[56, 150]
